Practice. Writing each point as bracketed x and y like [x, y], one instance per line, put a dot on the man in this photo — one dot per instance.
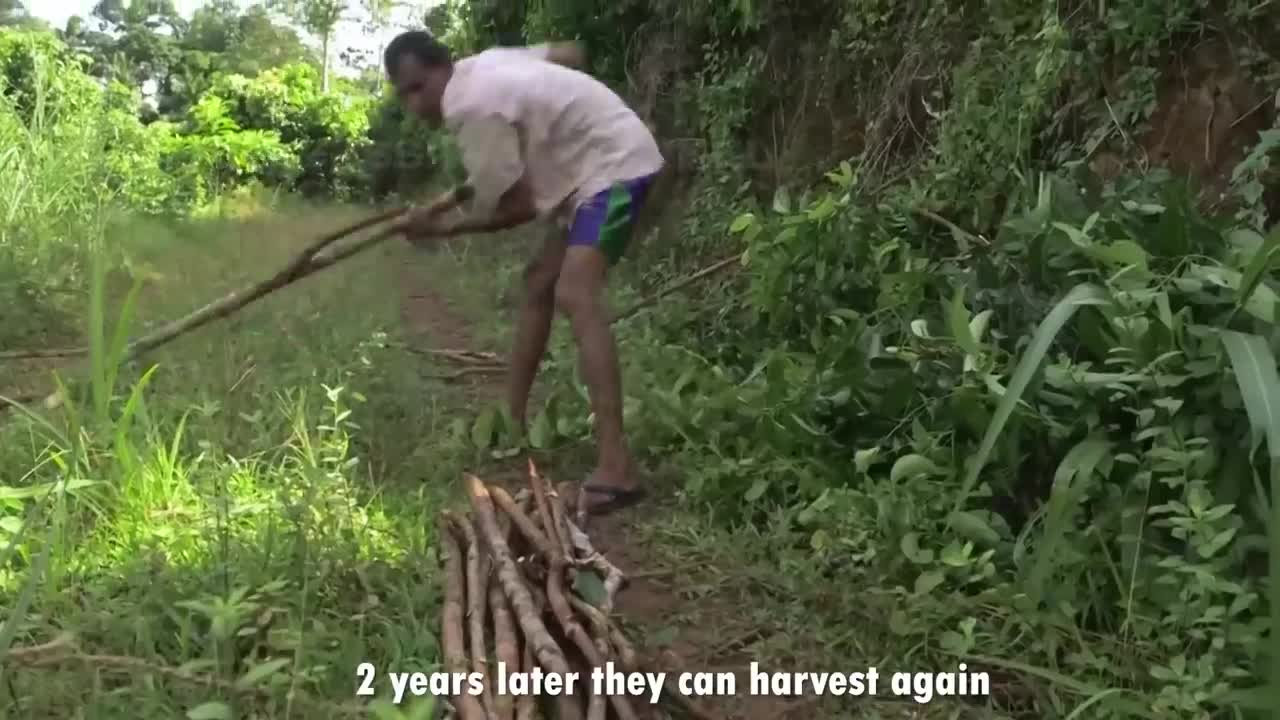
[542, 140]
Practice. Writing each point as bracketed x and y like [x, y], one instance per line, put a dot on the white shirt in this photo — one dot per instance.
[514, 112]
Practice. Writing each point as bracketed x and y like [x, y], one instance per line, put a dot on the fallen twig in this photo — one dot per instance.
[451, 633]
[678, 285]
[473, 357]
[499, 364]
[545, 648]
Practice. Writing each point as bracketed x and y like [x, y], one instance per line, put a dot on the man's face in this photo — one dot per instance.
[418, 88]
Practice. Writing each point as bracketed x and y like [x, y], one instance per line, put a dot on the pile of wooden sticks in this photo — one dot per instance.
[509, 570]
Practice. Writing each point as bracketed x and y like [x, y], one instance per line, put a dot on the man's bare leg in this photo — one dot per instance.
[580, 294]
[533, 325]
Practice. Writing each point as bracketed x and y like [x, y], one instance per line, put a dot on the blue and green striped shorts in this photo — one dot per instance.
[607, 219]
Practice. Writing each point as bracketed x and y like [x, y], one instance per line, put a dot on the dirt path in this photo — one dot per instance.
[682, 623]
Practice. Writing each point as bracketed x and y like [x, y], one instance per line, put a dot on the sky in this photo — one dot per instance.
[57, 12]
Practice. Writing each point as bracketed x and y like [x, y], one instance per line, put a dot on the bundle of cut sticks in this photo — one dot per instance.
[509, 570]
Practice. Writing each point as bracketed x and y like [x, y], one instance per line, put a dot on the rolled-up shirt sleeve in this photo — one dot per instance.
[491, 154]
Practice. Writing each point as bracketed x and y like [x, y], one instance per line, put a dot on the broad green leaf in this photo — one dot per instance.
[1083, 294]
[385, 710]
[482, 430]
[590, 587]
[781, 201]
[540, 432]
[863, 459]
[1255, 370]
[974, 528]
[1121, 253]
[210, 711]
[258, 673]
[910, 466]
[978, 325]
[1262, 301]
[1262, 262]
[742, 222]
[757, 490]
[910, 547]
[928, 580]
[958, 320]
[1259, 382]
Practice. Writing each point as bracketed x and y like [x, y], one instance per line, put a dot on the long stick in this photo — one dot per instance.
[505, 648]
[549, 524]
[302, 265]
[527, 528]
[527, 704]
[477, 603]
[535, 632]
[451, 634]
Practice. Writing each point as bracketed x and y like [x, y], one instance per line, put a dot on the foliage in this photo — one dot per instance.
[1061, 483]
[1016, 403]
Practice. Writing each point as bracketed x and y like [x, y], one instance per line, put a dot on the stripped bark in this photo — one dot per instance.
[546, 650]
[505, 648]
[527, 704]
[563, 611]
[560, 518]
[549, 526]
[527, 528]
[451, 634]
[622, 648]
[477, 603]
[614, 578]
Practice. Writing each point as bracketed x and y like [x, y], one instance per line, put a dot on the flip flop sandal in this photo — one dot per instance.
[618, 499]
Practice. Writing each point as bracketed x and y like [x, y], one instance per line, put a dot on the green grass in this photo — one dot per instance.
[262, 490]
[255, 502]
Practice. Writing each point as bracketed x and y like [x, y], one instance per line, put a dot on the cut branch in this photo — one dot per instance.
[477, 603]
[451, 634]
[549, 525]
[545, 648]
[527, 704]
[527, 528]
[505, 648]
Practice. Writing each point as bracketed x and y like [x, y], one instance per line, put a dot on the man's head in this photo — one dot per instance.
[419, 67]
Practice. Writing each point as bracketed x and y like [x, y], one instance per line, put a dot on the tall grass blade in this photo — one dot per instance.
[1083, 294]
[1259, 382]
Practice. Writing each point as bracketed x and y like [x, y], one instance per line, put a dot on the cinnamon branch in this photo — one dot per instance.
[536, 634]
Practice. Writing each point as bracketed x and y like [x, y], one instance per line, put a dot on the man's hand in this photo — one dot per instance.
[421, 227]
[569, 54]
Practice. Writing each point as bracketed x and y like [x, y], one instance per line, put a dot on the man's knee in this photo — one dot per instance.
[574, 298]
[540, 282]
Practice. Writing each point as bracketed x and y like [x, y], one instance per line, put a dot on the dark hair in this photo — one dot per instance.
[421, 45]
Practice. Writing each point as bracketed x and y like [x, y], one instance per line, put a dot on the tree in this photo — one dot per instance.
[14, 13]
[321, 18]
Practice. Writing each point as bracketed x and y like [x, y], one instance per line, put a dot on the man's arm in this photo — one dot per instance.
[569, 54]
[501, 197]
[515, 208]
